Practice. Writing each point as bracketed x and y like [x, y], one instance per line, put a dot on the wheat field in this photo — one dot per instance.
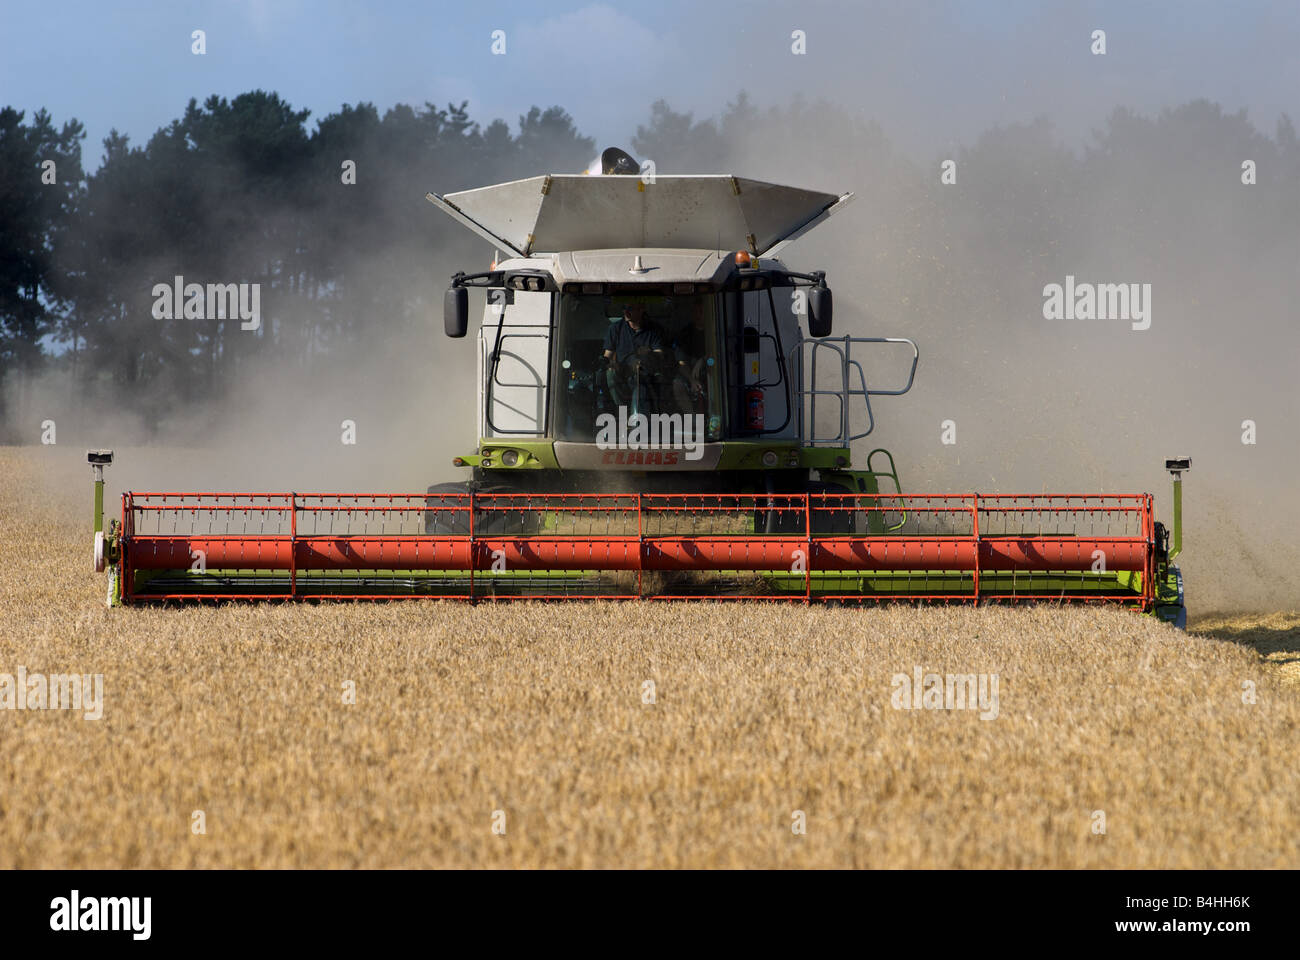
[525, 735]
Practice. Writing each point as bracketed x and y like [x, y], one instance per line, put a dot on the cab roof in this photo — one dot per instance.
[569, 212]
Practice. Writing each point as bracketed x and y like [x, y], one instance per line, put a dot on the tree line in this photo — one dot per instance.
[328, 219]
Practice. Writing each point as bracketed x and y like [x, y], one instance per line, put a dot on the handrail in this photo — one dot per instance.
[809, 392]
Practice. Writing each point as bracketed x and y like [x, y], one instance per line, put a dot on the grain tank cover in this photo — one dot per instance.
[561, 212]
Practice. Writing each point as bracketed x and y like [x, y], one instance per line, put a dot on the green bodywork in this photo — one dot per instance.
[736, 455]
[914, 585]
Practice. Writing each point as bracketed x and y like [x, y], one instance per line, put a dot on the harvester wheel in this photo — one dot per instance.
[778, 522]
[446, 522]
[497, 521]
[841, 522]
[791, 522]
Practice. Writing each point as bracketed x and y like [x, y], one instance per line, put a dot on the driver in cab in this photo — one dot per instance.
[630, 343]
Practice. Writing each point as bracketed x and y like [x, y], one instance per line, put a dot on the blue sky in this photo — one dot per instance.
[932, 73]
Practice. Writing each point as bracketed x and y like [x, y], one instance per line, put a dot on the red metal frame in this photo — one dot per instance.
[295, 532]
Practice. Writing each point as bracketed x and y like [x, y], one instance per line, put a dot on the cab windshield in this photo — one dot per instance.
[624, 354]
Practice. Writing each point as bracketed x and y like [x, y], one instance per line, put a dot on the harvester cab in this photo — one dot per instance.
[640, 333]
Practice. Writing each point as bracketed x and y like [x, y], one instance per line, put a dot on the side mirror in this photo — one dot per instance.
[455, 311]
[820, 310]
[750, 340]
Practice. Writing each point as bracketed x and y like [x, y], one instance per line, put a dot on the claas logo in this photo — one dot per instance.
[646, 458]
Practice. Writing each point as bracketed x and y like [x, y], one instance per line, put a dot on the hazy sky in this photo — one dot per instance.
[931, 73]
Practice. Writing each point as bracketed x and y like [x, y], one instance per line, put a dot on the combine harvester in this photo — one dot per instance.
[653, 422]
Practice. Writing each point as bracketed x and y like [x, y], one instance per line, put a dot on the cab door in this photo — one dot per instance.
[514, 361]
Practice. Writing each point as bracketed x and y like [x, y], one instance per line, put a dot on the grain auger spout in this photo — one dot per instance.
[663, 413]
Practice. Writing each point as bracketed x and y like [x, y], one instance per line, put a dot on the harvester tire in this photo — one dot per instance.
[455, 523]
[445, 522]
[841, 522]
[787, 523]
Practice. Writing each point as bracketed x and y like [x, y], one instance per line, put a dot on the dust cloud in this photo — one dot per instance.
[1084, 405]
